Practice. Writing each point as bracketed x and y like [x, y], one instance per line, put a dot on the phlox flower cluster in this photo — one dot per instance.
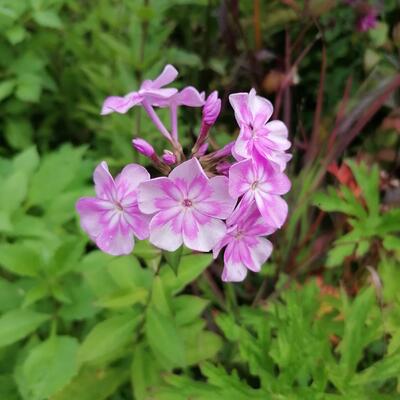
[225, 199]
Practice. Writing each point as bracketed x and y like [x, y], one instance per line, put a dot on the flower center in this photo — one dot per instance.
[187, 203]
[254, 185]
[118, 206]
[239, 234]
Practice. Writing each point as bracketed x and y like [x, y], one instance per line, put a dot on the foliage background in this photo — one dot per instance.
[321, 321]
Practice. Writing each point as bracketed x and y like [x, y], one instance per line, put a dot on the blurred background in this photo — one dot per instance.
[76, 323]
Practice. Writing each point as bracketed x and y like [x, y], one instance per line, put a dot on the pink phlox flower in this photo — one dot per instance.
[187, 207]
[260, 183]
[257, 135]
[151, 92]
[367, 21]
[245, 246]
[112, 219]
[189, 96]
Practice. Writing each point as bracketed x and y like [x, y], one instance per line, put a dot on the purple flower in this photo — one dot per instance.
[367, 21]
[149, 92]
[169, 158]
[257, 136]
[143, 147]
[187, 208]
[245, 248]
[189, 96]
[112, 219]
[261, 183]
[211, 109]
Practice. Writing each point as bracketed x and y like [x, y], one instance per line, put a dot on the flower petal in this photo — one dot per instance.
[167, 76]
[244, 144]
[239, 103]
[127, 182]
[189, 96]
[166, 229]
[278, 133]
[201, 234]
[93, 213]
[104, 182]
[116, 240]
[273, 208]
[259, 250]
[278, 183]
[120, 105]
[260, 108]
[234, 269]
[138, 222]
[158, 194]
[189, 176]
[241, 176]
[218, 203]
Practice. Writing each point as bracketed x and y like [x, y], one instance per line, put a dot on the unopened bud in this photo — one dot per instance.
[223, 168]
[202, 149]
[168, 157]
[143, 147]
[211, 109]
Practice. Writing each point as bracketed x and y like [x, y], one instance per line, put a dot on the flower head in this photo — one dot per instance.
[151, 91]
[112, 219]
[187, 207]
[262, 184]
[245, 248]
[143, 147]
[257, 135]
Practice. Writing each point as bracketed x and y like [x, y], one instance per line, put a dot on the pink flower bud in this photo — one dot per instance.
[223, 168]
[202, 149]
[143, 147]
[168, 157]
[211, 108]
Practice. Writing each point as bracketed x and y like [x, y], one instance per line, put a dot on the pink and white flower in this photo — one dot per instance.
[187, 208]
[245, 248]
[112, 219]
[261, 183]
[257, 135]
[151, 92]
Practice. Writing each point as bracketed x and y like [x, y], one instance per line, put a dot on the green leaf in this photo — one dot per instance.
[124, 299]
[189, 269]
[164, 339]
[13, 191]
[16, 34]
[27, 161]
[354, 337]
[49, 367]
[337, 255]
[379, 372]
[368, 179]
[173, 259]
[48, 19]
[57, 170]
[6, 88]
[29, 87]
[93, 384]
[19, 259]
[8, 388]
[188, 308]
[108, 337]
[17, 324]
[145, 372]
